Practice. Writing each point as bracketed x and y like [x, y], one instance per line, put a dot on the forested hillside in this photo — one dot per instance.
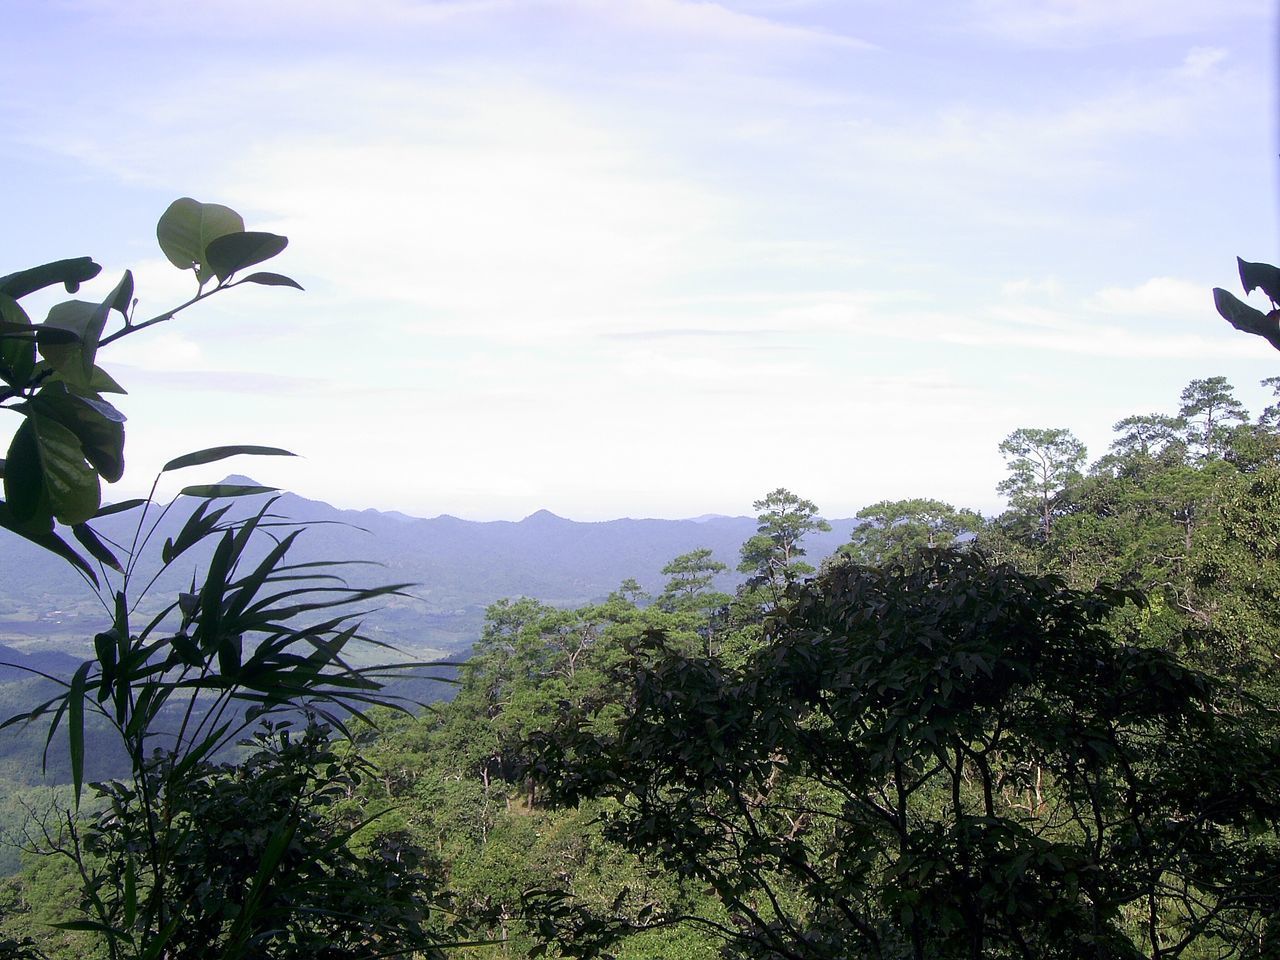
[955, 739]
[457, 567]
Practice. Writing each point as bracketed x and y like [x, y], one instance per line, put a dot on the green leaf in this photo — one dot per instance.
[235, 251]
[130, 894]
[215, 491]
[101, 382]
[74, 361]
[75, 725]
[17, 343]
[46, 465]
[23, 480]
[97, 425]
[188, 227]
[70, 273]
[213, 454]
[120, 507]
[121, 297]
[272, 280]
[41, 534]
[1264, 275]
[1244, 317]
[99, 550]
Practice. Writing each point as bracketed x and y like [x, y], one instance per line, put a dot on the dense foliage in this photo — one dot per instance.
[1046, 734]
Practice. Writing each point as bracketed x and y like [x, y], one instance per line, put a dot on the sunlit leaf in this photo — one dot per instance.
[97, 425]
[45, 461]
[188, 227]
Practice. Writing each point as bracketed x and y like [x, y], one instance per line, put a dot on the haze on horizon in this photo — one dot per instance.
[655, 258]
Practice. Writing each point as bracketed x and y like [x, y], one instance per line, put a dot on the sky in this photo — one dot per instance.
[653, 258]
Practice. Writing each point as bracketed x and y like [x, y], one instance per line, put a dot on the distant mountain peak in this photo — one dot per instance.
[543, 516]
[239, 480]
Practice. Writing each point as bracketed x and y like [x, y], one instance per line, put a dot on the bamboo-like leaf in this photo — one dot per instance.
[99, 550]
[121, 507]
[75, 725]
[213, 454]
[130, 894]
[272, 854]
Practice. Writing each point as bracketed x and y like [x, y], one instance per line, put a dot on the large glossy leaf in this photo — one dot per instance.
[70, 273]
[188, 227]
[1244, 317]
[235, 251]
[46, 467]
[97, 424]
[214, 454]
[23, 481]
[74, 361]
[41, 534]
[17, 343]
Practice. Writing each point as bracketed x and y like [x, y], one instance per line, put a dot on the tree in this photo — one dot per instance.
[894, 529]
[772, 556]
[1208, 407]
[1041, 464]
[689, 580]
[689, 592]
[947, 760]
[1147, 436]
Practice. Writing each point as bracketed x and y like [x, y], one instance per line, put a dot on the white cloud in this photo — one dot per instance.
[1201, 61]
[1159, 297]
[156, 350]
[1108, 21]
[1016, 289]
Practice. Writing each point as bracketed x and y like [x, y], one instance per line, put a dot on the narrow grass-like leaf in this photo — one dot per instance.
[75, 726]
[213, 454]
[224, 491]
[99, 550]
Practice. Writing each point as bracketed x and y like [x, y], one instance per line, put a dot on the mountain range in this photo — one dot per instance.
[458, 567]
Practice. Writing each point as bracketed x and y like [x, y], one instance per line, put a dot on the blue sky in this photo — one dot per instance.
[655, 257]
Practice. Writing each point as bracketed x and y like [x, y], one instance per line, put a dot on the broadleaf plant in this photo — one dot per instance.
[72, 438]
[257, 638]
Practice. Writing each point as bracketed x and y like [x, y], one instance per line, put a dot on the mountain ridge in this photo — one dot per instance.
[458, 566]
